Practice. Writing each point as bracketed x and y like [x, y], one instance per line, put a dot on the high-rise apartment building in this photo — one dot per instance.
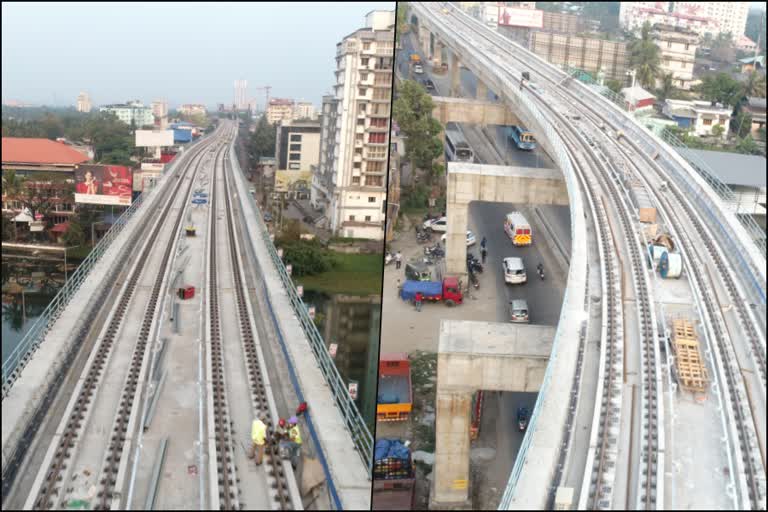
[160, 111]
[241, 94]
[355, 144]
[699, 17]
[83, 102]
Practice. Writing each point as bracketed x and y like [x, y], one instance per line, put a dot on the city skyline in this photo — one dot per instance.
[30, 67]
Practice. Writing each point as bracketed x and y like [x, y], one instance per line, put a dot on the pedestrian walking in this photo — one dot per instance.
[483, 253]
[258, 438]
[398, 260]
[417, 301]
[484, 243]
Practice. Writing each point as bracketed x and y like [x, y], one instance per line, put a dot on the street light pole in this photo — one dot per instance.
[65, 265]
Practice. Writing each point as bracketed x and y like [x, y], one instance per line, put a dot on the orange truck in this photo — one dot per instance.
[415, 59]
[395, 396]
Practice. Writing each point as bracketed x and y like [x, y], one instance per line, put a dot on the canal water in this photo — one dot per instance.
[28, 288]
[350, 326]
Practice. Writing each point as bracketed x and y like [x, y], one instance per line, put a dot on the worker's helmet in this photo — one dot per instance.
[293, 420]
[282, 422]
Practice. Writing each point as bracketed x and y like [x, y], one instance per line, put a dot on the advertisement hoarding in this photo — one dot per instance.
[103, 184]
[153, 138]
[519, 17]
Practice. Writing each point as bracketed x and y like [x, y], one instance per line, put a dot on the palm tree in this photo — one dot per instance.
[644, 58]
[667, 87]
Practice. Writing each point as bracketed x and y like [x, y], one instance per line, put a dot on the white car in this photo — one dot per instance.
[418, 69]
[440, 225]
[470, 238]
[514, 270]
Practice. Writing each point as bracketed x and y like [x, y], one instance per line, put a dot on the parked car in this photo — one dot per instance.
[514, 270]
[518, 311]
[440, 225]
[471, 240]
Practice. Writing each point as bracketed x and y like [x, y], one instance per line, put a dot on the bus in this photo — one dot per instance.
[456, 147]
[522, 138]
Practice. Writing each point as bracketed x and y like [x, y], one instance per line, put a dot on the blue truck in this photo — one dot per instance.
[448, 291]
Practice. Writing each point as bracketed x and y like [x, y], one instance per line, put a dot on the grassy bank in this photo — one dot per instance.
[355, 274]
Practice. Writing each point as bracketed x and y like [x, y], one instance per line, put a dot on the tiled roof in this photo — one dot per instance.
[39, 151]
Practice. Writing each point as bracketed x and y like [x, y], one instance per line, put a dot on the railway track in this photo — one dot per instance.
[54, 476]
[283, 494]
[650, 436]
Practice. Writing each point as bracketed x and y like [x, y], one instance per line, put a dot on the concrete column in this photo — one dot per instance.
[424, 39]
[457, 212]
[438, 58]
[482, 91]
[453, 416]
[454, 75]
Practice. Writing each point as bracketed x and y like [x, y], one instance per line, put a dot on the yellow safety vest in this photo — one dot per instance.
[294, 434]
[258, 432]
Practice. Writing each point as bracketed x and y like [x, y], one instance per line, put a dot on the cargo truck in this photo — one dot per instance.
[394, 482]
[447, 291]
[395, 397]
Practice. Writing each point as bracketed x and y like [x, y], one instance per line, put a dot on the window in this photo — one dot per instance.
[377, 138]
[294, 156]
[707, 122]
[364, 61]
[361, 122]
[366, 46]
[358, 151]
[295, 137]
[361, 108]
[379, 122]
[295, 147]
[356, 165]
[363, 76]
[367, 218]
[669, 44]
[352, 218]
[361, 91]
[294, 167]
[377, 167]
[687, 46]
[371, 199]
[374, 181]
[355, 180]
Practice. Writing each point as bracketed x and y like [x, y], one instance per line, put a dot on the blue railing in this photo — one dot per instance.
[354, 422]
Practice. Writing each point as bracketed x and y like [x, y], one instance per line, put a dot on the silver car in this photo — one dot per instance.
[518, 311]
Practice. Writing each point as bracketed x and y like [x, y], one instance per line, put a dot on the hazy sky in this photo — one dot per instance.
[185, 52]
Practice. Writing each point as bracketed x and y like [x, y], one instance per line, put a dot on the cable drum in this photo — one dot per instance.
[670, 265]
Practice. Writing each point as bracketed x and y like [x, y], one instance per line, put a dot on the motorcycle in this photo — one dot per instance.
[473, 280]
[522, 419]
[474, 265]
[388, 258]
[435, 251]
[540, 270]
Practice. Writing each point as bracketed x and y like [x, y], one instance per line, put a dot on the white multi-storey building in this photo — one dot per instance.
[190, 109]
[133, 112]
[699, 17]
[355, 141]
[677, 53]
[83, 102]
[304, 110]
[279, 109]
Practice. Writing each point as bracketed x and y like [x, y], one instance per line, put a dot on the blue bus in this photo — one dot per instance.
[522, 138]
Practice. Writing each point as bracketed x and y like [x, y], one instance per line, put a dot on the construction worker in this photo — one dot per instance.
[294, 439]
[301, 409]
[281, 432]
[258, 437]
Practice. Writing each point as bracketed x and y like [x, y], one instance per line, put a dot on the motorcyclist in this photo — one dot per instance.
[540, 268]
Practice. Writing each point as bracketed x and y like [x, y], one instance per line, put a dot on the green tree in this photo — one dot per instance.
[761, 133]
[644, 58]
[667, 89]
[720, 88]
[754, 85]
[748, 146]
[262, 140]
[614, 85]
[8, 228]
[75, 235]
[402, 19]
[741, 124]
[717, 131]
[413, 112]
[722, 48]
[308, 257]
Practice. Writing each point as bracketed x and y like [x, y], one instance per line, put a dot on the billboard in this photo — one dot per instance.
[103, 184]
[153, 138]
[519, 17]
[293, 181]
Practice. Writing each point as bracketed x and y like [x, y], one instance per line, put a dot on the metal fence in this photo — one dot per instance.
[21, 353]
[361, 435]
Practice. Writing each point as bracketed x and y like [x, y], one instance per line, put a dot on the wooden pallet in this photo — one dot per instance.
[691, 370]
